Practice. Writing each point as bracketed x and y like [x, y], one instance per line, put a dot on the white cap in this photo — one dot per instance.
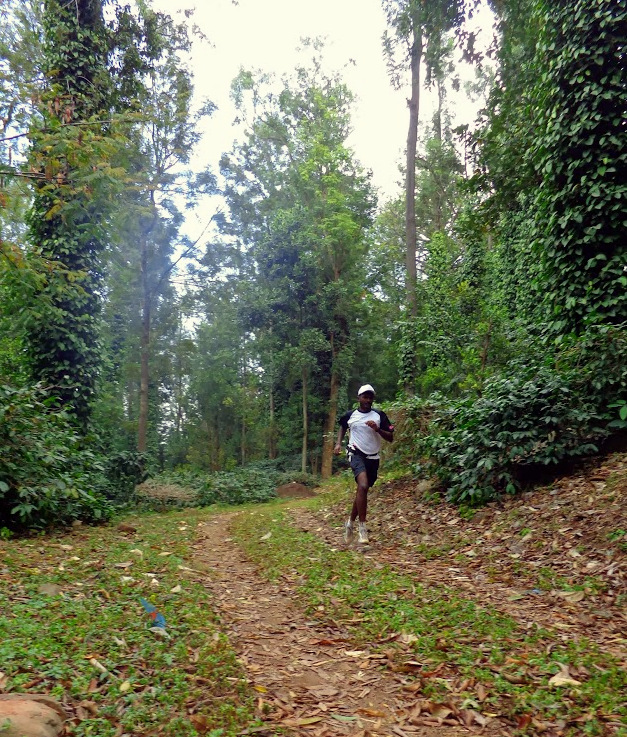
[366, 388]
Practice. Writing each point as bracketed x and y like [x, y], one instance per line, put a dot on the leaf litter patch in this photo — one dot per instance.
[458, 654]
[554, 558]
[72, 626]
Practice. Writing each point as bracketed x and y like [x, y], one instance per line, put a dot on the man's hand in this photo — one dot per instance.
[373, 425]
[337, 450]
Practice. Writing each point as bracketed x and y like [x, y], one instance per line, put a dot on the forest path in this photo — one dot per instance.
[555, 557]
[309, 679]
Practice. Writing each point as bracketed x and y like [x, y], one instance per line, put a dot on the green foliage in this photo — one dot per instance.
[297, 477]
[241, 486]
[238, 487]
[254, 482]
[580, 158]
[124, 470]
[47, 475]
[482, 446]
[535, 416]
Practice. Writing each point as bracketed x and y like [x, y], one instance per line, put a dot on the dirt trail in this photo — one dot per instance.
[552, 557]
[309, 679]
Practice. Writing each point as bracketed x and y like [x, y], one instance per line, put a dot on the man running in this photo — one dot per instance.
[366, 427]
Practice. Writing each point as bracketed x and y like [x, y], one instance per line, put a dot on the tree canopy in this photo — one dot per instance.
[486, 301]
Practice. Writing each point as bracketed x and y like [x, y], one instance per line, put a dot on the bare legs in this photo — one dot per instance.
[360, 505]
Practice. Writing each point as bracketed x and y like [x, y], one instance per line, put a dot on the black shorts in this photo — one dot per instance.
[360, 464]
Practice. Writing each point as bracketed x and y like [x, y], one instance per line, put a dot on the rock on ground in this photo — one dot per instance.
[30, 715]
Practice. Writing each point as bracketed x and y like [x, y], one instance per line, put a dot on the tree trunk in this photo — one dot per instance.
[272, 439]
[243, 448]
[329, 428]
[410, 202]
[439, 194]
[142, 427]
[410, 181]
[305, 423]
[243, 436]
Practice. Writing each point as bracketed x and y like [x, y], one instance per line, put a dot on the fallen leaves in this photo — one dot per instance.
[563, 678]
[572, 597]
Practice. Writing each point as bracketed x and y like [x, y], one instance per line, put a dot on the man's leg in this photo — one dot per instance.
[360, 501]
[360, 504]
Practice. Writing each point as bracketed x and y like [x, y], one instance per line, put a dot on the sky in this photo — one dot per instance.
[264, 34]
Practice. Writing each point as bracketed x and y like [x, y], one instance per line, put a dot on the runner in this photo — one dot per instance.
[366, 427]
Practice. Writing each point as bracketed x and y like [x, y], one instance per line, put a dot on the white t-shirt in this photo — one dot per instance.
[361, 436]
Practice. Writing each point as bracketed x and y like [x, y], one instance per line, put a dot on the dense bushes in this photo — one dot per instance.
[124, 470]
[482, 446]
[47, 475]
[238, 487]
[535, 415]
[255, 482]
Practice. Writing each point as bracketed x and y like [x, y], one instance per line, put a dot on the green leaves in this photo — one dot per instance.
[46, 475]
[534, 416]
[578, 136]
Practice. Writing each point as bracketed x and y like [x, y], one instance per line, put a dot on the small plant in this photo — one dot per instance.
[619, 536]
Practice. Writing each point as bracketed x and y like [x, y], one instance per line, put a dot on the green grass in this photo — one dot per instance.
[375, 602]
[188, 685]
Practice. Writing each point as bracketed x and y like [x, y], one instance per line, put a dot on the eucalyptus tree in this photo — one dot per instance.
[418, 31]
[162, 136]
[299, 204]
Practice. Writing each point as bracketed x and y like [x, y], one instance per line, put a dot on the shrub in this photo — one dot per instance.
[47, 475]
[250, 483]
[124, 470]
[297, 477]
[238, 487]
[481, 447]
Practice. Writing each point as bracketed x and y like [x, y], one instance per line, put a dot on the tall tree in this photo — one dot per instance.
[416, 32]
[70, 148]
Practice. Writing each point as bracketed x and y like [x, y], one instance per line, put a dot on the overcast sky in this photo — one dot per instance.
[263, 34]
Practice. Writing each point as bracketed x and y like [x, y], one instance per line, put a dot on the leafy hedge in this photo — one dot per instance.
[47, 475]
[536, 416]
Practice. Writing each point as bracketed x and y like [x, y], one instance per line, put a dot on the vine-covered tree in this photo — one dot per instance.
[70, 160]
[580, 158]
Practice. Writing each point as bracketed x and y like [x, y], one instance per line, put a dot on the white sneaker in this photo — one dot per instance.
[363, 534]
[348, 531]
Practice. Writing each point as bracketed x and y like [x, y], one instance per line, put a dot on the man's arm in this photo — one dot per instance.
[338, 444]
[386, 429]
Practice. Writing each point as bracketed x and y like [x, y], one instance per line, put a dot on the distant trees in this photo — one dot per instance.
[299, 206]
